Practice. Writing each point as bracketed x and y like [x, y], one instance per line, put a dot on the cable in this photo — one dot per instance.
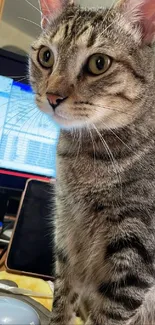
[9, 225]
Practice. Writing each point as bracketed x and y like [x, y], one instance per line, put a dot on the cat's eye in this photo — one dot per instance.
[46, 57]
[98, 64]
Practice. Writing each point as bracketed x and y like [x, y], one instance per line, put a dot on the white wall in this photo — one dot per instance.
[9, 35]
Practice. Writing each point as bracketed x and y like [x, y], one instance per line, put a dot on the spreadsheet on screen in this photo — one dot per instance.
[28, 137]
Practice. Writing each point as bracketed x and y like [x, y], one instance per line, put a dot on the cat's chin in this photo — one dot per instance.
[67, 123]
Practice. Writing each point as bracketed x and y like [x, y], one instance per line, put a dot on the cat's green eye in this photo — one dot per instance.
[46, 57]
[98, 64]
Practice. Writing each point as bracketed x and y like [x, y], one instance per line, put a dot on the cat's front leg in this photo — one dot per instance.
[102, 319]
[64, 295]
[99, 316]
[123, 301]
[114, 306]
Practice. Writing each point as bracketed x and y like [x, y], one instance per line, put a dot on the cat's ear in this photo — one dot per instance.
[141, 12]
[52, 8]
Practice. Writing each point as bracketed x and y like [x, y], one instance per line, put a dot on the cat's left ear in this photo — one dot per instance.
[52, 8]
[141, 12]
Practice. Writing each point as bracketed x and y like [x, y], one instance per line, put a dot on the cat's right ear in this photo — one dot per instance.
[52, 8]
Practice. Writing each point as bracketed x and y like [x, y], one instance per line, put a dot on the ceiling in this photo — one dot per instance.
[29, 9]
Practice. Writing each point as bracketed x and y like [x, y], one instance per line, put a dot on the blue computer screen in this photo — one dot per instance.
[28, 137]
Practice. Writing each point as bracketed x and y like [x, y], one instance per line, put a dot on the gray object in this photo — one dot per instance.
[14, 311]
[9, 283]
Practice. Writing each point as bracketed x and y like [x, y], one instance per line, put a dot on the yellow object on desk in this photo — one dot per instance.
[36, 285]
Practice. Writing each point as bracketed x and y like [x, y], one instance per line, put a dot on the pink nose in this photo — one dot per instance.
[54, 99]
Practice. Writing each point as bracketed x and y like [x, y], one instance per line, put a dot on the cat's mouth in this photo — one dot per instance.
[60, 111]
[57, 113]
[66, 120]
[55, 102]
[63, 114]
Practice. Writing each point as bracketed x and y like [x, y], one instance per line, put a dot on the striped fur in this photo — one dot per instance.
[105, 202]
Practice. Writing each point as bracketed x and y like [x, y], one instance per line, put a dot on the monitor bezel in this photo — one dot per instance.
[10, 70]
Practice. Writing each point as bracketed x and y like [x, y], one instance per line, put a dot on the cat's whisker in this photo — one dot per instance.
[24, 78]
[33, 118]
[103, 107]
[73, 133]
[41, 9]
[16, 77]
[14, 116]
[126, 126]
[13, 102]
[113, 22]
[110, 154]
[39, 5]
[29, 109]
[30, 21]
[33, 6]
[47, 7]
[79, 146]
[93, 143]
[127, 146]
[111, 7]
[13, 129]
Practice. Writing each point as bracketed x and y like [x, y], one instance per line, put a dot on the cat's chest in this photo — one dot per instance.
[83, 191]
[83, 182]
[83, 197]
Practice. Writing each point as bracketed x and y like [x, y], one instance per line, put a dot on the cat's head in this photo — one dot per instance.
[94, 67]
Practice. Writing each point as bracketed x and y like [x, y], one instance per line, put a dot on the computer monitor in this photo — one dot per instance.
[28, 137]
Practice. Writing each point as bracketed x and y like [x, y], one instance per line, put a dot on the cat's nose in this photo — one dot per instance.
[55, 99]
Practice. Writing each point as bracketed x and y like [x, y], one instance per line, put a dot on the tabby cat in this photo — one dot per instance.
[93, 72]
